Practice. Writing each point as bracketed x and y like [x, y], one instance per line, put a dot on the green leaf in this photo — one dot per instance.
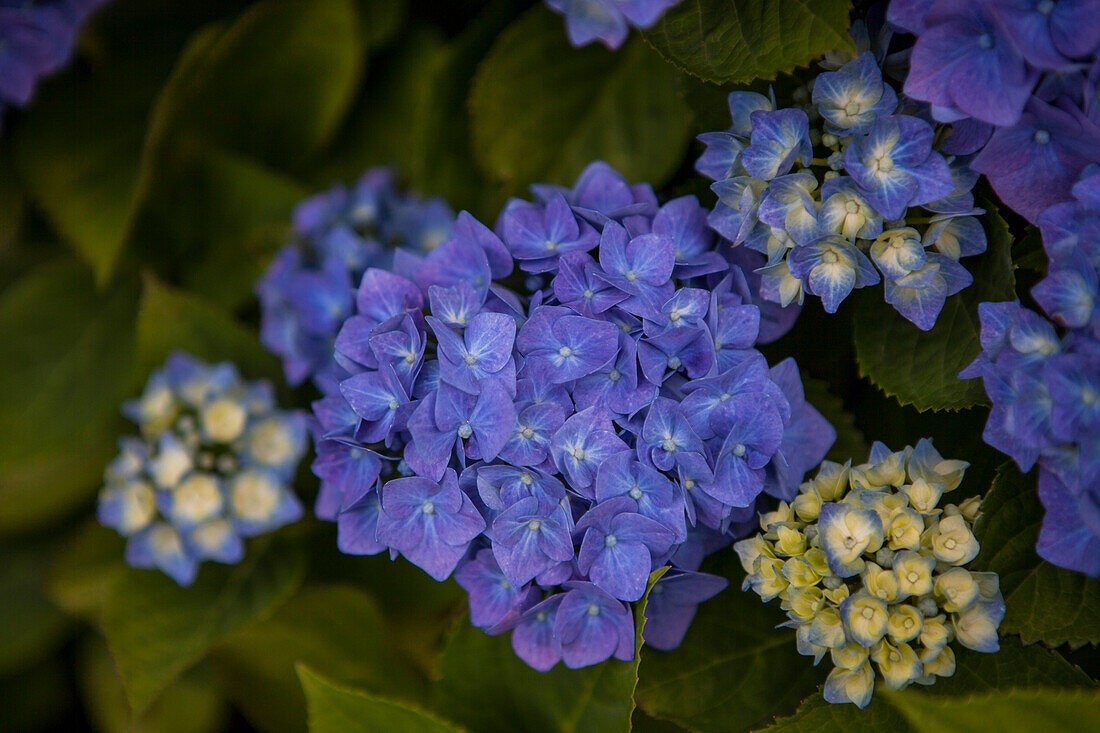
[734, 671]
[542, 110]
[337, 709]
[850, 443]
[476, 667]
[335, 628]
[380, 20]
[192, 705]
[1044, 602]
[171, 319]
[83, 176]
[86, 570]
[1012, 668]
[68, 363]
[1015, 711]
[156, 630]
[31, 627]
[274, 85]
[921, 368]
[737, 41]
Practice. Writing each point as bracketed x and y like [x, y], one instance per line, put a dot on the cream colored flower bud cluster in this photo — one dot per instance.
[870, 570]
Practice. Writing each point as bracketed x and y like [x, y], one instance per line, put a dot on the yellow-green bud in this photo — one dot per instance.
[914, 573]
[957, 590]
[905, 623]
[904, 529]
[954, 542]
[880, 582]
[923, 496]
[807, 505]
[790, 541]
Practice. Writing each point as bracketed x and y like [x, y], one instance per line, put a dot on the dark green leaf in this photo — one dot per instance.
[192, 705]
[273, 85]
[68, 363]
[476, 667]
[156, 630]
[86, 570]
[1044, 602]
[1012, 711]
[170, 319]
[335, 628]
[337, 709]
[734, 671]
[741, 40]
[31, 627]
[380, 20]
[542, 110]
[1012, 668]
[920, 368]
[850, 443]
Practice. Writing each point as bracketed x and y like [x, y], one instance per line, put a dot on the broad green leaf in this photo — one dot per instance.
[38, 698]
[336, 628]
[1013, 711]
[734, 670]
[170, 319]
[1007, 672]
[156, 630]
[192, 705]
[542, 110]
[737, 41]
[380, 20]
[1044, 602]
[11, 204]
[476, 667]
[86, 570]
[921, 368]
[334, 708]
[273, 85]
[850, 443]
[31, 627]
[68, 363]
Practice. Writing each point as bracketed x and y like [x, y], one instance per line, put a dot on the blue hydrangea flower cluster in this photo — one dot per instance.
[36, 40]
[1018, 80]
[553, 435]
[870, 570]
[309, 288]
[818, 188]
[213, 465]
[608, 21]
[1043, 376]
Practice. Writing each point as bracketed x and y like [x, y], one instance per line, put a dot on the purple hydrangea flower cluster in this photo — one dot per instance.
[1018, 78]
[818, 187]
[607, 21]
[553, 435]
[1043, 376]
[36, 40]
[309, 288]
[212, 466]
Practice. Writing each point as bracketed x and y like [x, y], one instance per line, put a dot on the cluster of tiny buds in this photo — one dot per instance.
[870, 570]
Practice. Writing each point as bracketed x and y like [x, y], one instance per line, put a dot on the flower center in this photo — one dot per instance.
[830, 258]
[550, 245]
[465, 431]
[588, 294]
[393, 403]
[578, 453]
[565, 352]
[1045, 7]
[469, 358]
[1089, 396]
[851, 207]
[985, 41]
[527, 433]
[852, 108]
[913, 576]
[635, 493]
[631, 276]
[526, 478]
[614, 375]
[950, 543]
[849, 542]
[674, 362]
[868, 612]
[534, 525]
[1042, 137]
[427, 507]
[593, 609]
[610, 540]
[738, 449]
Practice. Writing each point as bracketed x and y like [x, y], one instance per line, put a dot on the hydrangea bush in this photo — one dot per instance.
[848, 188]
[36, 40]
[306, 293]
[553, 442]
[871, 571]
[212, 466]
[1042, 372]
[1017, 80]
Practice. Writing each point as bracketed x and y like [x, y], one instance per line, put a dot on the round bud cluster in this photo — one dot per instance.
[849, 172]
[554, 435]
[212, 466]
[870, 571]
[308, 290]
